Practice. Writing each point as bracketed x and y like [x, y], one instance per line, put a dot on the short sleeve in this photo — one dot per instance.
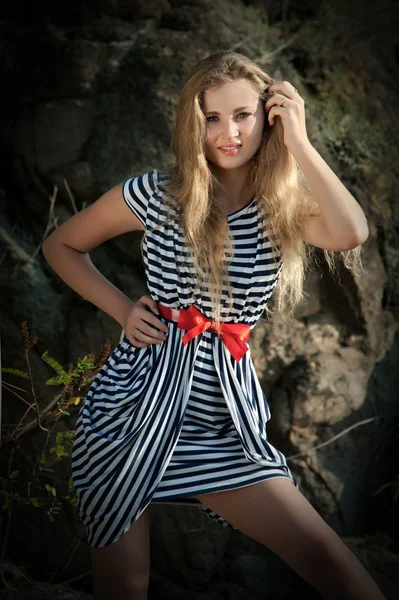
[137, 193]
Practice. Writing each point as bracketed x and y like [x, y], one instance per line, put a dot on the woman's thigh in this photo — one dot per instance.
[276, 514]
[122, 569]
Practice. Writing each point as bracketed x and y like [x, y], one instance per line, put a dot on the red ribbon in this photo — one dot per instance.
[233, 335]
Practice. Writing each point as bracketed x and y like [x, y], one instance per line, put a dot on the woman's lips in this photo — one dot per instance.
[230, 151]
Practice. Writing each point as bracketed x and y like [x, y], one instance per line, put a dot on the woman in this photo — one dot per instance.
[177, 411]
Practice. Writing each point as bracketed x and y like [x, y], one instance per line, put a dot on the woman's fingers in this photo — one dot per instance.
[149, 329]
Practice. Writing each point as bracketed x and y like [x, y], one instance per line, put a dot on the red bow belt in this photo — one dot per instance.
[233, 335]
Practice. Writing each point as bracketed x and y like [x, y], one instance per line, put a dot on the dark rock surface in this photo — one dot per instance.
[89, 94]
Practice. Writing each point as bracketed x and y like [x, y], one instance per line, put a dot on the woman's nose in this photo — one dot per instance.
[230, 129]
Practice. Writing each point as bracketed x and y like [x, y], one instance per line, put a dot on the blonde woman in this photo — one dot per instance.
[177, 412]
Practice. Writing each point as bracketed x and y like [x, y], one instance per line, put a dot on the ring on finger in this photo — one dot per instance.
[134, 334]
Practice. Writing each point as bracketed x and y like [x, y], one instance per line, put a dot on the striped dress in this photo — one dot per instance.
[170, 421]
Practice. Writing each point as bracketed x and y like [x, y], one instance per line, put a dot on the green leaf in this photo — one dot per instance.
[36, 502]
[82, 365]
[15, 372]
[58, 380]
[6, 504]
[55, 365]
[61, 436]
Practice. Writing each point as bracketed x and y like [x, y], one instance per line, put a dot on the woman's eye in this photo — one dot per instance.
[214, 117]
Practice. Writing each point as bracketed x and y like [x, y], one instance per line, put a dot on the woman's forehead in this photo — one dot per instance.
[237, 85]
[240, 90]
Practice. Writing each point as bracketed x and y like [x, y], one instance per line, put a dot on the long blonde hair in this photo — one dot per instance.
[282, 192]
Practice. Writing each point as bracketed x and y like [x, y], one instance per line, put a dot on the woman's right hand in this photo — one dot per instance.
[146, 324]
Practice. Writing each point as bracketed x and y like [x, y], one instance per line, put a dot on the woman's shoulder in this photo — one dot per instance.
[162, 178]
[152, 186]
[148, 186]
[154, 180]
[164, 195]
[155, 176]
[161, 205]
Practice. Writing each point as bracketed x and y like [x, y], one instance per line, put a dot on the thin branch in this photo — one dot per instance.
[68, 189]
[64, 565]
[234, 46]
[7, 532]
[238, 44]
[45, 412]
[7, 586]
[11, 385]
[39, 458]
[335, 437]
[24, 415]
[266, 56]
[76, 578]
[8, 388]
[51, 223]
[32, 424]
[33, 391]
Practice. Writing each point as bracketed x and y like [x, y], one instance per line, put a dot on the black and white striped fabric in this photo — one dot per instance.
[171, 421]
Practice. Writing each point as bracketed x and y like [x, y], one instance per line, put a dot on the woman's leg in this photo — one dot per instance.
[276, 514]
[121, 570]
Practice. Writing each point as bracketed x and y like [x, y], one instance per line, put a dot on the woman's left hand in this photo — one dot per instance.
[292, 113]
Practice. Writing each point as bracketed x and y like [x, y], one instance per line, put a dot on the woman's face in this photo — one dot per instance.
[235, 116]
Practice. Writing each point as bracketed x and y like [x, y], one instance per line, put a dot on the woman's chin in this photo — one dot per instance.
[228, 162]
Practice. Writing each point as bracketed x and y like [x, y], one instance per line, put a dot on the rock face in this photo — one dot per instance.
[90, 95]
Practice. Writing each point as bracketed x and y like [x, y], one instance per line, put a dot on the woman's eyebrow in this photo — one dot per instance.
[214, 112]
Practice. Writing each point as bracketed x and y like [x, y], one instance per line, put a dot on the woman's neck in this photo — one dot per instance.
[235, 189]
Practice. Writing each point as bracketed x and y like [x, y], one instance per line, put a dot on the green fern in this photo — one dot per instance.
[63, 376]
[15, 372]
[82, 365]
